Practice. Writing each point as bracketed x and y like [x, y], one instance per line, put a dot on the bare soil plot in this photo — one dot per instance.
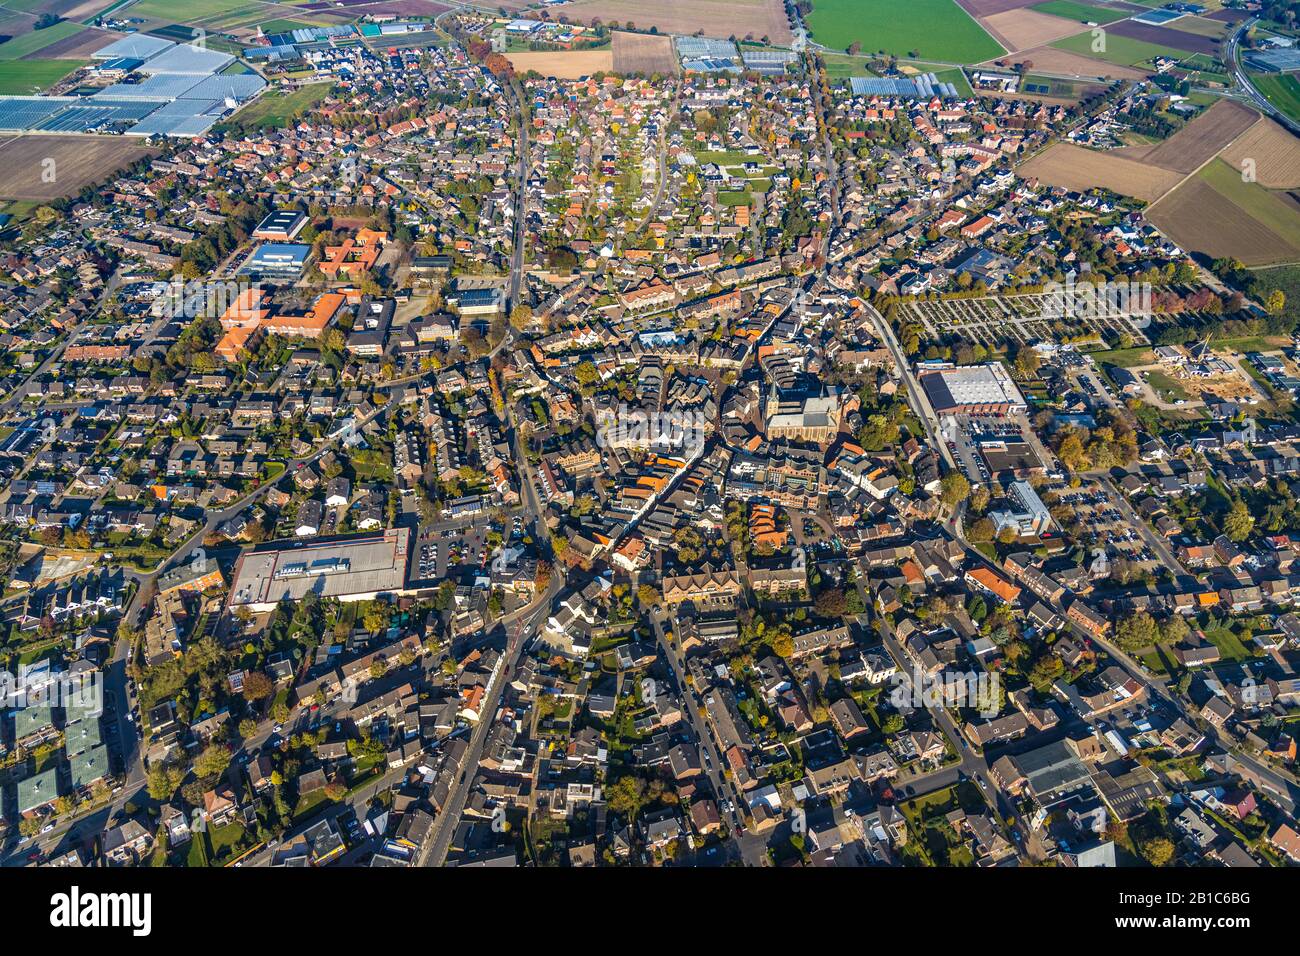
[1073, 167]
[1276, 155]
[643, 53]
[1200, 140]
[717, 18]
[1165, 37]
[564, 64]
[1200, 219]
[1228, 16]
[1025, 29]
[1046, 59]
[79, 161]
[1201, 26]
[988, 8]
[79, 46]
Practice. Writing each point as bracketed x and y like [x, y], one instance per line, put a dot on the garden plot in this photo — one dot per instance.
[996, 321]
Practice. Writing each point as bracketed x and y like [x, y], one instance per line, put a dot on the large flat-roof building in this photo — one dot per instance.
[349, 568]
[973, 390]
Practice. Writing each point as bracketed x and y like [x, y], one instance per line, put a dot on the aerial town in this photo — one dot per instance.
[572, 434]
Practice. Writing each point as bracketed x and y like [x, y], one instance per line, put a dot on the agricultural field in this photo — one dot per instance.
[37, 40]
[21, 77]
[742, 19]
[1217, 214]
[930, 29]
[1203, 138]
[77, 46]
[1025, 29]
[563, 64]
[1076, 168]
[1082, 12]
[1117, 49]
[1167, 39]
[1280, 89]
[79, 162]
[1275, 154]
[1050, 59]
[643, 53]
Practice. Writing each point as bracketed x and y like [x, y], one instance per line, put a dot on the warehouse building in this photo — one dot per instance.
[973, 390]
[350, 568]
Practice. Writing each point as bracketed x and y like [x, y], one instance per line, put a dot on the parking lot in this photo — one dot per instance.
[1101, 523]
[464, 543]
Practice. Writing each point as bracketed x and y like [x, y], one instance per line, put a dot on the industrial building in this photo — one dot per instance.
[166, 89]
[973, 390]
[350, 568]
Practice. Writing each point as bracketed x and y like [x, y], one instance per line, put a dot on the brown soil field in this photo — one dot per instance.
[1200, 26]
[79, 46]
[1165, 36]
[1275, 151]
[643, 53]
[1202, 220]
[564, 64]
[1073, 167]
[1048, 59]
[1200, 140]
[79, 162]
[15, 24]
[987, 8]
[1025, 29]
[717, 18]
[1228, 16]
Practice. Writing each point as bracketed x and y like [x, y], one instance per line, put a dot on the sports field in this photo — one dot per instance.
[926, 29]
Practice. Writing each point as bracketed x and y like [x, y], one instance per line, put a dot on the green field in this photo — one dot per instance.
[37, 40]
[1280, 89]
[927, 29]
[1083, 12]
[1121, 50]
[1256, 201]
[190, 11]
[280, 109]
[17, 78]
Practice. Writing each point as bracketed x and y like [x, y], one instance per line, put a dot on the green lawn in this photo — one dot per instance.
[1282, 90]
[190, 11]
[1083, 12]
[30, 43]
[926, 29]
[1117, 49]
[280, 109]
[19, 77]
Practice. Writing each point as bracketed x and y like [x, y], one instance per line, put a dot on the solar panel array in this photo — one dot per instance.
[924, 86]
[182, 94]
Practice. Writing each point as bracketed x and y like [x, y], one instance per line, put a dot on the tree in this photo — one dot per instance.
[1136, 631]
[257, 686]
[831, 603]
[1157, 851]
[955, 489]
[163, 781]
[212, 762]
[626, 795]
[893, 724]
[247, 728]
[1237, 524]
[1276, 302]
